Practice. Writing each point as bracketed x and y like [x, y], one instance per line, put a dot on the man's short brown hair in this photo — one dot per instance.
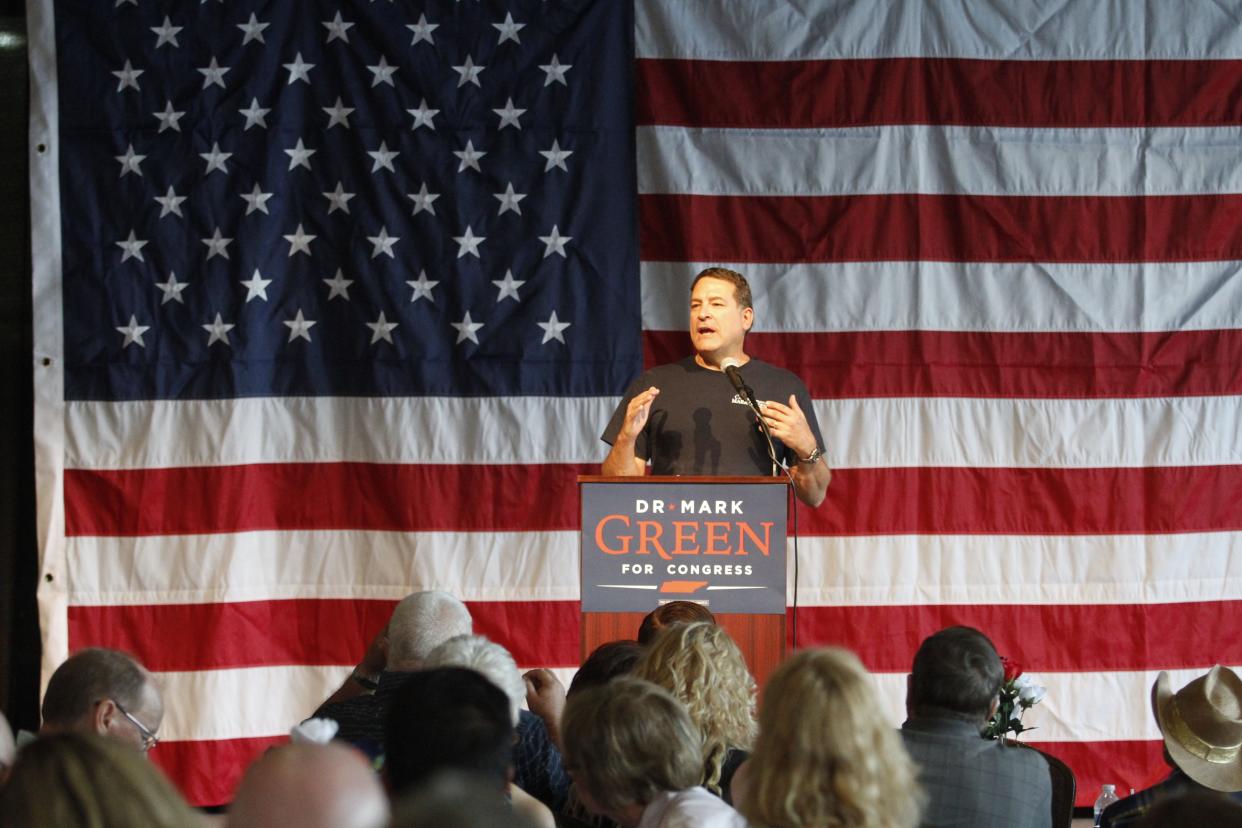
[90, 676]
[741, 287]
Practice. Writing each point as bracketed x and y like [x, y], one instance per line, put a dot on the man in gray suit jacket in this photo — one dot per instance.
[970, 781]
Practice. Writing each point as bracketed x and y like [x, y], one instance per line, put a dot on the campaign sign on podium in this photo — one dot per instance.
[717, 541]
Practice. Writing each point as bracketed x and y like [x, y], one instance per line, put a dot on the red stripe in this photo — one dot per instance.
[857, 364]
[882, 501]
[1126, 764]
[1032, 501]
[207, 772]
[377, 496]
[1040, 637]
[951, 228]
[802, 94]
[169, 637]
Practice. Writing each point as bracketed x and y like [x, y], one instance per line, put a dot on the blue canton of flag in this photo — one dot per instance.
[347, 199]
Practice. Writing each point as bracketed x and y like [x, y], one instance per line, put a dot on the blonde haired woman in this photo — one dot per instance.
[825, 756]
[701, 666]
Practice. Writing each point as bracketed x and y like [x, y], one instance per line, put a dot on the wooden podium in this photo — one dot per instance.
[675, 542]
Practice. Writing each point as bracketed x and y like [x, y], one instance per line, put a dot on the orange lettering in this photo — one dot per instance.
[764, 546]
[649, 532]
[625, 539]
[686, 531]
[717, 534]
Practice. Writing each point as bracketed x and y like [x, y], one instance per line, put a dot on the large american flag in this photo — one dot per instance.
[333, 300]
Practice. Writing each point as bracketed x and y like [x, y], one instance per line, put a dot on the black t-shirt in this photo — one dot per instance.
[699, 425]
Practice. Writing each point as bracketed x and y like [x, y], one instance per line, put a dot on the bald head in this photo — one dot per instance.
[310, 786]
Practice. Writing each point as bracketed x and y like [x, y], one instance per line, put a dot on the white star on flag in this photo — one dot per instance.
[170, 202]
[299, 327]
[554, 72]
[217, 245]
[508, 287]
[422, 30]
[383, 158]
[338, 199]
[256, 288]
[299, 242]
[422, 200]
[213, 74]
[299, 156]
[299, 70]
[256, 199]
[383, 243]
[339, 286]
[422, 288]
[467, 329]
[468, 243]
[381, 329]
[172, 289]
[215, 159]
[132, 247]
[254, 115]
[423, 116]
[218, 331]
[129, 162]
[167, 33]
[338, 29]
[128, 77]
[338, 114]
[556, 157]
[553, 329]
[383, 73]
[469, 157]
[169, 117]
[509, 200]
[509, 116]
[508, 29]
[253, 29]
[469, 73]
[133, 332]
[555, 243]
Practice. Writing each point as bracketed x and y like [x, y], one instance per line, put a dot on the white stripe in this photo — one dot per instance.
[881, 160]
[1079, 707]
[261, 701]
[543, 566]
[259, 566]
[995, 29]
[268, 701]
[48, 336]
[959, 296]
[858, 433]
[1003, 433]
[166, 433]
[931, 570]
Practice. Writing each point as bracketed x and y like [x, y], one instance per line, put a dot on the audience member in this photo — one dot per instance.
[1202, 729]
[419, 623]
[536, 758]
[75, 779]
[456, 800]
[701, 666]
[105, 692]
[8, 749]
[310, 786]
[666, 615]
[609, 660]
[825, 754]
[1193, 809]
[952, 692]
[636, 758]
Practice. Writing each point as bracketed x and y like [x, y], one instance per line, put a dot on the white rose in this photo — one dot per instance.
[1032, 694]
[314, 731]
[1022, 681]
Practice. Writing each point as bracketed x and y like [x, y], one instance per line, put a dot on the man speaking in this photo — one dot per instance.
[695, 416]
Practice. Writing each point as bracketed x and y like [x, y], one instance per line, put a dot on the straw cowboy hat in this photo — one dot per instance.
[1202, 726]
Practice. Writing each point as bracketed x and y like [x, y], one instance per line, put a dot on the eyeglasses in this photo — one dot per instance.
[149, 739]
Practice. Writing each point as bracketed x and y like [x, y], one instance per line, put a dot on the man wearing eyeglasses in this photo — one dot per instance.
[105, 692]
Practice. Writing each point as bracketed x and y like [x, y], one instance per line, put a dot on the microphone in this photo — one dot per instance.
[731, 367]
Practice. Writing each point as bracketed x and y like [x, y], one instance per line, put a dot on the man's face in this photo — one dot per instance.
[150, 714]
[718, 325]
